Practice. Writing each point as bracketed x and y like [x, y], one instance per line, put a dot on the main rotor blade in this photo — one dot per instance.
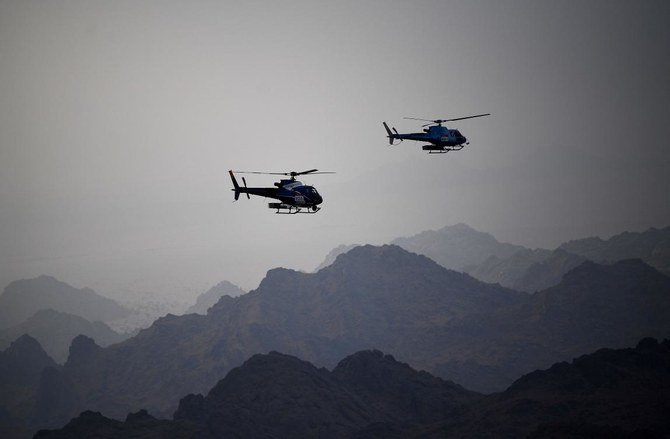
[303, 172]
[416, 118]
[467, 117]
[439, 121]
[264, 173]
[290, 174]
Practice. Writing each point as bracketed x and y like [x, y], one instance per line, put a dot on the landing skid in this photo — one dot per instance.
[445, 149]
[296, 210]
[286, 209]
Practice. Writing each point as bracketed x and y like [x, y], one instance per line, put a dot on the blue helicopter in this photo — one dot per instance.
[441, 139]
[293, 196]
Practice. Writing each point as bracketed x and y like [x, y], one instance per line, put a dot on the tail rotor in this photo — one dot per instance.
[244, 180]
[392, 135]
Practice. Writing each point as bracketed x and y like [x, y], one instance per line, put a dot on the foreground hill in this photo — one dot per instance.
[55, 330]
[457, 247]
[607, 394]
[277, 395]
[23, 298]
[371, 297]
[207, 299]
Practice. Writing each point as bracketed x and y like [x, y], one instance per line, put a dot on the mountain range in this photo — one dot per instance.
[278, 395]
[652, 246]
[55, 330]
[479, 335]
[606, 394]
[462, 248]
[371, 297]
[21, 299]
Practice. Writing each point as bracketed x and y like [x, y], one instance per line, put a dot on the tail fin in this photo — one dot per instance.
[235, 185]
[389, 132]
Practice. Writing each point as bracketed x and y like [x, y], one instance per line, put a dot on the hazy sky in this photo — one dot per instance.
[120, 119]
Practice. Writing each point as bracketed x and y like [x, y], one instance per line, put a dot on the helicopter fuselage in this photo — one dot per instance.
[437, 135]
[290, 192]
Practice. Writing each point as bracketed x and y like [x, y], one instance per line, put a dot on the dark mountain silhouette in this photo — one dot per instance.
[207, 299]
[140, 425]
[398, 390]
[607, 394]
[457, 247]
[371, 297]
[593, 306]
[277, 395]
[527, 270]
[333, 254]
[55, 330]
[21, 366]
[23, 298]
[652, 246]
[479, 335]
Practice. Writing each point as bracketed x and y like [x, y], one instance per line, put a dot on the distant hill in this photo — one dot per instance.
[371, 297]
[55, 330]
[460, 247]
[527, 270]
[211, 296]
[652, 246]
[333, 254]
[21, 367]
[457, 247]
[548, 272]
[23, 298]
[277, 395]
[507, 271]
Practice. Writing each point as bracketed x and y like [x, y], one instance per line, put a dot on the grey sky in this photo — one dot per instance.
[119, 120]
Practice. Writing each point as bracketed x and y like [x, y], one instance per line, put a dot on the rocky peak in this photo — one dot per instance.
[82, 349]
[23, 361]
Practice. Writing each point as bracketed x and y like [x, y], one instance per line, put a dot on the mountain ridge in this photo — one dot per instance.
[372, 297]
[607, 393]
[55, 330]
[23, 298]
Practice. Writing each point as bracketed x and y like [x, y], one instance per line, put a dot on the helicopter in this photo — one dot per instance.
[293, 196]
[441, 139]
